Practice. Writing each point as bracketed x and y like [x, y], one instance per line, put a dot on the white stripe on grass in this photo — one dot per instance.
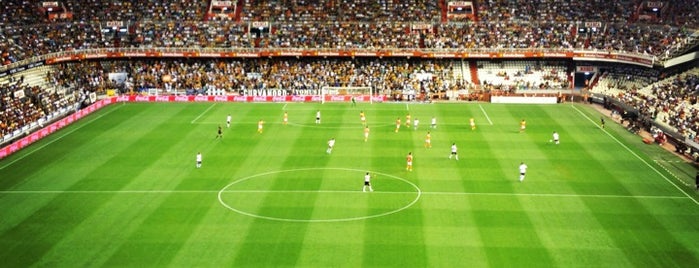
[340, 192]
[60, 137]
[636, 155]
[659, 162]
[486, 114]
[203, 113]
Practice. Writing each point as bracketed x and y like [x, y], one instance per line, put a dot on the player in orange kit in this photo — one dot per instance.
[260, 124]
[428, 140]
[366, 133]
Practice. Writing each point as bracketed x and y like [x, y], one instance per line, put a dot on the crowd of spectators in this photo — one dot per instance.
[677, 101]
[290, 76]
[25, 42]
[556, 11]
[16, 112]
[671, 102]
[26, 32]
[318, 24]
[612, 79]
[341, 10]
[19, 110]
[502, 35]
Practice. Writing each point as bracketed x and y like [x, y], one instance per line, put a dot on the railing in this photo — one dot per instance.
[395, 51]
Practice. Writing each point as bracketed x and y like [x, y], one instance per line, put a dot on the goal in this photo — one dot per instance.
[346, 94]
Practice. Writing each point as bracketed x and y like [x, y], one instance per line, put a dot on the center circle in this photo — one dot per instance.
[290, 194]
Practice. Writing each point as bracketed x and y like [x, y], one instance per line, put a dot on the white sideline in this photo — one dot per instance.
[65, 134]
[636, 155]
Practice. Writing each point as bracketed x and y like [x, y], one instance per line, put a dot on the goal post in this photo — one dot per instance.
[346, 94]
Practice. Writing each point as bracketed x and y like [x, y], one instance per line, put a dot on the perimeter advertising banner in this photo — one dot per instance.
[53, 127]
[288, 98]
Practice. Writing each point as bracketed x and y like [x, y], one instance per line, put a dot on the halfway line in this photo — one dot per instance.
[339, 192]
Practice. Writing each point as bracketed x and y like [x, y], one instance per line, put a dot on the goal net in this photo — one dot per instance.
[153, 92]
[347, 94]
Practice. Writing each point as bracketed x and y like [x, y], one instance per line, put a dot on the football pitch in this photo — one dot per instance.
[120, 188]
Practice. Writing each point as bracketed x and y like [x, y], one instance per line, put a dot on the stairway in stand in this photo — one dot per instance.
[443, 7]
[473, 69]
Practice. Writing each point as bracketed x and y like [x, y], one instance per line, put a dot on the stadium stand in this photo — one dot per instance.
[292, 76]
[598, 25]
[31, 30]
[524, 75]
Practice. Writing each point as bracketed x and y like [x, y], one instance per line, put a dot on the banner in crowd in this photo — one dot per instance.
[230, 98]
[527, 100]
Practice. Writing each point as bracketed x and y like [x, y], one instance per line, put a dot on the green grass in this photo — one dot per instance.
[120, 188]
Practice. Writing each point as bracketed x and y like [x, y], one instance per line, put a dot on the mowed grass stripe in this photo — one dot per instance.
[509, 218]
[306, 149]
[221, 153]
[449, 229]
[122, 208]
[387, 242]
[657, 247]
[351, 152]
[553, 227]
[69, 211]
[640, 234]
[172, 217]
[50, 173]
[58, 148]
[236, 156]
[609, 222]
[133, 213]
[631, 146]
[228, 158]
